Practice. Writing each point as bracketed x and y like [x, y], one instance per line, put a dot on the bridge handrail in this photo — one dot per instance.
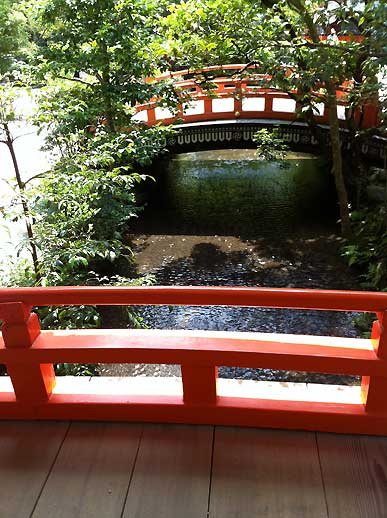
[220, 93]
[29, 354]
[212, 68]
[244, 88]
[330, 300]
[243, 81]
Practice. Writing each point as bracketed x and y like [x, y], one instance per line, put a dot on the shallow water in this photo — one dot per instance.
[231, 191]
[291, 254]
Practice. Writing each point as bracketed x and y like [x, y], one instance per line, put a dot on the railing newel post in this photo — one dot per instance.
[374, 389]
[32, 383]
[238, 96]
[151, 114]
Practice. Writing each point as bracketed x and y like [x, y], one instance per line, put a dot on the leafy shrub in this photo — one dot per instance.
[270, 146]
[76, 369]
[367, 248]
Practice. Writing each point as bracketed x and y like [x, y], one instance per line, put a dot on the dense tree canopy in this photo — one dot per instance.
[103, 46]
[13, 35]
[92, 60]
[283, 39]
[295, 45]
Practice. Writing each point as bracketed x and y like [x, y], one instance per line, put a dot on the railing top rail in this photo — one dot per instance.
[212, 68]
[236, 66]
[198, 296]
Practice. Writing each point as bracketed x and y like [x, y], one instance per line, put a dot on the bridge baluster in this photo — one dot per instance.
[370, 115]
[32, 383]
[151, 115]
[199, 384]
[268, 103]
[374, 389]
[208, 105]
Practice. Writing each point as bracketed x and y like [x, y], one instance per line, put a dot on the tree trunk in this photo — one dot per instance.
[26, 212]
[385, 191]
[106, 90]
[337, 161]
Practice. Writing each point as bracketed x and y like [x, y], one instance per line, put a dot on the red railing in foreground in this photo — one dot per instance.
[29, 353]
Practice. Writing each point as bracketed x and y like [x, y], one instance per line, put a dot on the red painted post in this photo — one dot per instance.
[151, 115]
[370, 115]
[199, 384]
[374, 389]
[180, 111]
[238, 99]
[32, 383]
[268, 103]
[207, 105]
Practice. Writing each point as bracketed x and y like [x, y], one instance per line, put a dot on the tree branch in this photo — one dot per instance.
[39, 175]
[24, 135]
[75, 80]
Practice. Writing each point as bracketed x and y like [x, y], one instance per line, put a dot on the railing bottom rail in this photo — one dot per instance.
[325, 417]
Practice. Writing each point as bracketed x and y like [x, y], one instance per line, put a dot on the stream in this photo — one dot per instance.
[224, 218]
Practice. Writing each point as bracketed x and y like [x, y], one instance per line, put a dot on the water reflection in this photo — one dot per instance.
[231, 190]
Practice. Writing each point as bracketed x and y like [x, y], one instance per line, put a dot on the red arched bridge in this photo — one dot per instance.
[235, 95]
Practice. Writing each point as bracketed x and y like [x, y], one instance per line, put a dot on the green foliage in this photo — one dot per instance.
[8, 112]
[270, 146]
[104, 48]
[367, 248]
[76, 369]
[69, 317]
[210, 33]
[95, 60]
[18, 272]
[82, 208]
[64, 111]
[364, 323]
[13, 36]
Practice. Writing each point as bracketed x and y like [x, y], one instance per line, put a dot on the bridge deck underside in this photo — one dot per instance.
[68, 469]
[239, 133]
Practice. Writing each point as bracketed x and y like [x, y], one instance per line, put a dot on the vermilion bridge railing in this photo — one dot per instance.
[29, 355]
[239, 97]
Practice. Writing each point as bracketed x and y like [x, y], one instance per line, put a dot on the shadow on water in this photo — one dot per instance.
[279, 237]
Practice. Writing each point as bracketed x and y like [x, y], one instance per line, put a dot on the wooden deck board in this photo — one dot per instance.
[27, 452]
[143, 471]
[266, 473]
[91, 475]
[355, 475]
[172, 474]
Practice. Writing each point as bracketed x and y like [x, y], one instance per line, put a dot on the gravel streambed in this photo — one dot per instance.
[309, 259]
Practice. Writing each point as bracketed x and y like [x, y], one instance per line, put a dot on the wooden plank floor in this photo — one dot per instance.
[116, 470]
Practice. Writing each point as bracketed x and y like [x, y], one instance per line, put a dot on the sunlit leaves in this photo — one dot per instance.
[270, 146]
[13, 36]
[83, 207]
